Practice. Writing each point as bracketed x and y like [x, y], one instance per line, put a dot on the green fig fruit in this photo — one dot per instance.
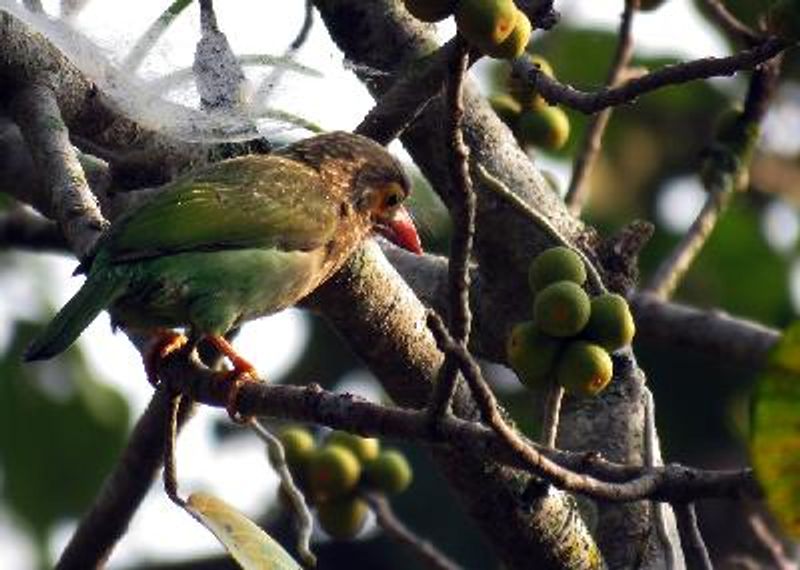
[332, 471]
[531, 354]
[298, 446]
[514, 45]
[584, 369]
[545, 126]
[611, 323]
[390, 472]
[364, 448]
[342, 518]
[650, 5]
[561, 309]
[486, 23]
[506, 107]
[556, 264]
[522, 92]
[431, 10]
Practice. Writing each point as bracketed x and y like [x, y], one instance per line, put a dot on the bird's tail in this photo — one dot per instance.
[97, 293]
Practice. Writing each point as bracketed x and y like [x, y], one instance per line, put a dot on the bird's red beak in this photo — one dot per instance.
[400, 230]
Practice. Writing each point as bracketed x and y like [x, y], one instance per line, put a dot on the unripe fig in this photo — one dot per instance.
[333, 471]
[514, 45]
[649, 5]
[431, 10]
[522, 92]
[506, 107]
[298, 446]
[342, 518]
[531, 353]
[364, 448]
[584, 369]
[556, 264]
[611, 323]
[486, 23]
[561, 309]
[545, 126]
[390, 472]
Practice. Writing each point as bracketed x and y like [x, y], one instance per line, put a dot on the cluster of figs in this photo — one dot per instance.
[571, 335]
[333, 474]
[497, 28]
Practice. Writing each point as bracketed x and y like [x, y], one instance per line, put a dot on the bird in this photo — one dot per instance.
[234, 241]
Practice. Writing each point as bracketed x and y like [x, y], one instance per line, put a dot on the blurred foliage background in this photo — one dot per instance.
[61, 428]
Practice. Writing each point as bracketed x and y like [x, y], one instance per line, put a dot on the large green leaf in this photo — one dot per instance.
[775, 444]
[60, 433]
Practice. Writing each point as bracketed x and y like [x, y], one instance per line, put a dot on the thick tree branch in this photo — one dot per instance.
[35, 111]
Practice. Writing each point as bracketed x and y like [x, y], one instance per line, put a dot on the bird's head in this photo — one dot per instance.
[376, 184]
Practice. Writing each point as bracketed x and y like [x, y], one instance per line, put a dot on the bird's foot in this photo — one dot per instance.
[242, 373]
[165, 343]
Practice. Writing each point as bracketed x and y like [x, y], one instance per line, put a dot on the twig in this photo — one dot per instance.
[176, 78]
[771, 543]
[732, 26]
[23, 229]
[650, 436]
[463, 213]
[496, 186]
[552, 413]
[170, 473]
[304, 520]
[578, 191]
[151, 36]
[723, 183]
[108, 518]
[428, 555]
[272, 80]
[591, 102]
[694, 548]
[36, 112]
[671, 271]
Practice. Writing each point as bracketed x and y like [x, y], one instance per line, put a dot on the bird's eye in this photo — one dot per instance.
[392, 200]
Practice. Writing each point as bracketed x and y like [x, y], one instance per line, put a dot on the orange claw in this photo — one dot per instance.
[166, 343]
[242, 372]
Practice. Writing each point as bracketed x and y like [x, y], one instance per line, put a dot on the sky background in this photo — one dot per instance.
[237, 471]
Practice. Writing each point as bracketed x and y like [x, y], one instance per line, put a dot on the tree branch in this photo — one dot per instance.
[555, 92]
[428, 555]
[108, 518]
[36, 113]
[578, 191]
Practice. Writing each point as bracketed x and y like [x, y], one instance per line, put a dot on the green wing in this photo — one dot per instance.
[248, 202]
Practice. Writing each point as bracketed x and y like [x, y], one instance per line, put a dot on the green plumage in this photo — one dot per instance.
[234, 241]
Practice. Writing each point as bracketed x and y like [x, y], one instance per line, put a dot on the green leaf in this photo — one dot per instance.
[775, 443]
[245, 541]
[60, 434]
